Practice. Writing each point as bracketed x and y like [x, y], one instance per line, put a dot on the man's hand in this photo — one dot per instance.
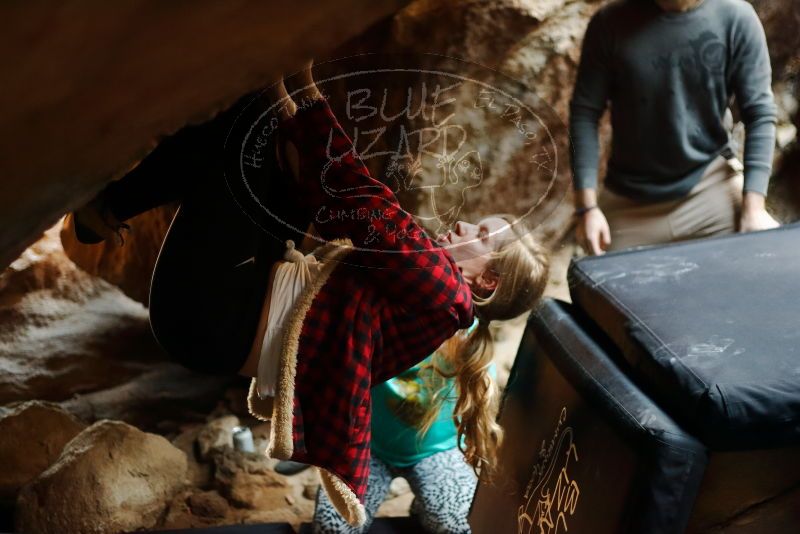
[754, 214]
[591, 231]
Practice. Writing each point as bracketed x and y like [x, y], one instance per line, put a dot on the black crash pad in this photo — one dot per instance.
[710, 327]
[584, 449]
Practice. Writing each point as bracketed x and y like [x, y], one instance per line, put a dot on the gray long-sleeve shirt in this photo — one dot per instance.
[669, 78]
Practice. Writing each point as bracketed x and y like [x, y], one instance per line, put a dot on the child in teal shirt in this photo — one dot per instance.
[442, 482]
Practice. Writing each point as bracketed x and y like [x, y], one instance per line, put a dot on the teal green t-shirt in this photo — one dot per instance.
[398, 407]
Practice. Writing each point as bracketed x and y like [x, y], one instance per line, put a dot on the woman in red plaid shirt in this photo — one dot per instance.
[377, 298]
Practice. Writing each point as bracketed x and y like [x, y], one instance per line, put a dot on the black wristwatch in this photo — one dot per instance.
[579, 212]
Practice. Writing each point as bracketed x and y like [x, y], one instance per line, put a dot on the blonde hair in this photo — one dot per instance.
[522, 267]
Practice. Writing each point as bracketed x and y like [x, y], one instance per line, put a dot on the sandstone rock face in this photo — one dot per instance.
[216, 436]
[127, 265]
[32, 435]
[536, 47]
[64, 331]
[248, 481]
[200, 474]
[231, 486]
[110, 478]
[533, 48]
[155, 400]
[504, 73]
[533, 41]
[500, 143]
[194, 508]
[92, 88]
[207, 504]
[71, 337]
[781, 21]
[546, 60]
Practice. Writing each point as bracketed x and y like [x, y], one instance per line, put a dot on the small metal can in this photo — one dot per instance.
[243, 439]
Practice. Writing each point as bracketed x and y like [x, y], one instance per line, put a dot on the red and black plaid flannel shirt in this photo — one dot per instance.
[395, 299]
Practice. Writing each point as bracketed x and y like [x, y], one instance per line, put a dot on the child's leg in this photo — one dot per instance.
[328, 521]
[443, 486]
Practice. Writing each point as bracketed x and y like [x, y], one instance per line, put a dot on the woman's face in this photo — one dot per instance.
[470, 245]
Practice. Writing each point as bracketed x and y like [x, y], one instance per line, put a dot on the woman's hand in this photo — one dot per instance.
[278, 95]
[308, 87]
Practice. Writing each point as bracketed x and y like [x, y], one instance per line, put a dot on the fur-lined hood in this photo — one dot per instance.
[279, 409]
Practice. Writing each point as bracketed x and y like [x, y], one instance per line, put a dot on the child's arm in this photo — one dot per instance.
[346, 201]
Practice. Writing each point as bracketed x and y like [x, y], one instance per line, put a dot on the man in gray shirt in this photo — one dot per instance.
[668, 68]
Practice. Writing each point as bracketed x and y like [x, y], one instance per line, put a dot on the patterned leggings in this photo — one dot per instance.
[443, 486]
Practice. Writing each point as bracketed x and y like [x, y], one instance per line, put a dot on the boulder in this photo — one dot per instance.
[64, 331]
[156, 400]
[517, 61]
[207, 504]
[193, 508]
[529, 48]
[781, 19]
[216, 436]
[32, 435]
[257, 491]
[128, 264]
[280, 515]
[248, 481]
[200, 474]
[112, 125]
[89, 89]
[111, 477]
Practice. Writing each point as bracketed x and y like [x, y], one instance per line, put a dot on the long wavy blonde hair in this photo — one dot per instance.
[522, 267]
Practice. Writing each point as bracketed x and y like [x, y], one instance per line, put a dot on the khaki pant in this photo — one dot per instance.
[711, 208]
